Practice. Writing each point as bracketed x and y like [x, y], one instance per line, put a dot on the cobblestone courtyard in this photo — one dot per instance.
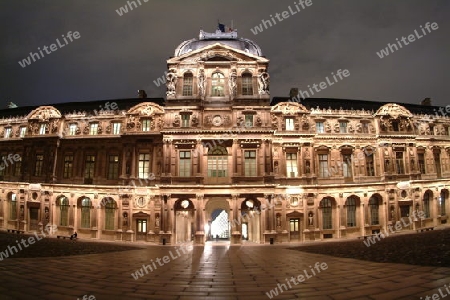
[215, 271]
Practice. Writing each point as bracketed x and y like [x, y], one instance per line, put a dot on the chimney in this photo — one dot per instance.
[426, 102]
[293, 93]
[142, 94]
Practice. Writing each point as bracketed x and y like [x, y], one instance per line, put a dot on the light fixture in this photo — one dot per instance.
[249, 203]
[185, 204]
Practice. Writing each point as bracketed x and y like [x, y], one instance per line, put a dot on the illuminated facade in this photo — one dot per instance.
[217, 159]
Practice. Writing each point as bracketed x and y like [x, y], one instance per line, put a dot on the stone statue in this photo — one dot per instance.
[263, 82]
[201, 83]
[171, 82]
[232, 83]
[310, 218]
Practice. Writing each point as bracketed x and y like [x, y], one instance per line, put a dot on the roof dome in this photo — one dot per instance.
[227, 38]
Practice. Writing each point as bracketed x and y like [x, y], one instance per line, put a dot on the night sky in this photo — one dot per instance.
[117, 55]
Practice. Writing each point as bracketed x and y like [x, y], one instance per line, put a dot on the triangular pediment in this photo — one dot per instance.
[217, 51]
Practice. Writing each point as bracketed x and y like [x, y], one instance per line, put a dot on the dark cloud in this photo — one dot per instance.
[117, 55]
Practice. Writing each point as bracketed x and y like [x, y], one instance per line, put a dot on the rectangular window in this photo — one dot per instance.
[365, 127]
[370, 168]
[38, 167]
[291, 164]
[323, 165]
[146, 125]
[217, 166]
[188, 81]
[109, 218]
[93, 129]
[144, 165]
[421, 157]
[290, 124]
[347, 165]
[247, 85]
[13, 207]
[23, 131]
[18, 167]
[68, 166]
[250, 163]
[113, 167]
[399, 163]
[42, 129]
[343, 127]
[185, 164]
[319, 127]
[73, 129]
[89, 167]
[185, 120]
[116, 128]
[7, 133]
[248, 120]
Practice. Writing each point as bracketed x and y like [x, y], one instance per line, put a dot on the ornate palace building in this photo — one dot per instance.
[218, 158]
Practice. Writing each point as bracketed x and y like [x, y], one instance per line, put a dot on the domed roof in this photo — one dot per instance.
[227, 38]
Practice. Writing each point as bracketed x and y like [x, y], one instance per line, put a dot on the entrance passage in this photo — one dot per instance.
[294, 229]
[220, 226]
[141, 229]
[34, 218]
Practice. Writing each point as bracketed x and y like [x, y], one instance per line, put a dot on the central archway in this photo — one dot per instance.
[217, 219]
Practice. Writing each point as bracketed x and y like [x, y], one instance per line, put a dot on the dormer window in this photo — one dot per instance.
[23, 131]
[93, 129]
[218, 85]
[7, 133]
[42, 129]
[290, 124]
[247, 85]
[72, 129]
[188, 80]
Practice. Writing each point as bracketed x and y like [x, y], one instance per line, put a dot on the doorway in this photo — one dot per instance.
[141, 229]
[294, 229]
[34, 219]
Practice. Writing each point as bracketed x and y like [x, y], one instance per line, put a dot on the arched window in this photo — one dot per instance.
[64, 211]
[86, 213]
[218, 85]
[327, 218]
[110, 208]
[217, 162]
[247, 84]
[374, 210]
[351, 212]
[188, 82]
[426, 204]
[12, 206]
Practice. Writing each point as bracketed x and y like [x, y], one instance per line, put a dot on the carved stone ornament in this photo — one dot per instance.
[289, 108]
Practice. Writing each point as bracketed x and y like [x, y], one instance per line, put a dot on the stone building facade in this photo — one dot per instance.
[217, 158]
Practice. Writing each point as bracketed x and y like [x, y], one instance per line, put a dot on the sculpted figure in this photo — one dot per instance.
[263, 82]
[171, 82]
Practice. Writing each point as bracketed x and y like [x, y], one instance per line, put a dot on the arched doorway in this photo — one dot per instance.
[217, 220]
[184, 220]
[251, 220]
